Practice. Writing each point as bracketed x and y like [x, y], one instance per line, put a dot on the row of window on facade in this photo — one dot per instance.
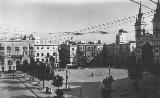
[118, 48]
[42, 54]
[24, 53]
[86, 48]
[10, 62]
[48, 47]
[44, 60]
[9, 68]
[16, 48]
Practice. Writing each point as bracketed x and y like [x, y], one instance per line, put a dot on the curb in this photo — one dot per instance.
[29, 89]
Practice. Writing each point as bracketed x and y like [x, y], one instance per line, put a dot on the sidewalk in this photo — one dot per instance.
[38, 90]
[13, 88]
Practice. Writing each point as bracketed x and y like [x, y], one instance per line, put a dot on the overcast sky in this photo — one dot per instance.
[46, 16]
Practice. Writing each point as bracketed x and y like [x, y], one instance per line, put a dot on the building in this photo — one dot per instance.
[119, 54]
[88, 52]
[43, 51]
[121, 37]
[68, 53]
[148, 44]
[15, 52]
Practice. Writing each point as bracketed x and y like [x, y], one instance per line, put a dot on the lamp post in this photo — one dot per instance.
[66, 76]
[109, 71]
[107, 82]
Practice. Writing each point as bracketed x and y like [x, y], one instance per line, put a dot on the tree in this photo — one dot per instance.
[135, 74]
[64, 56]
[25, 66]
[33, 68]
[58, 81]
[43, 72]
[81, 60]
[52, 62]
[155, 70]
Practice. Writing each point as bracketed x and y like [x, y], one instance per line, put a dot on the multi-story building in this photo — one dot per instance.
[15, 52]
[148, 45]
[43, 51]
[88, 51]
[119, 54]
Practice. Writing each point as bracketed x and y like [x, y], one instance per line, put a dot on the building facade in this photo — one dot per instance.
[119, 54]
[88, 52]
[148, 45]
[14, 52]
[43, 51]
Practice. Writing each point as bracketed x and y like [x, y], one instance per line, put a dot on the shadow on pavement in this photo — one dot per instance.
[12, 88]
[84, 90]
[23, 96]
[10, 82]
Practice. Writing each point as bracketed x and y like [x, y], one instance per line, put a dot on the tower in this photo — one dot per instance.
[156, 20]
[140, 24]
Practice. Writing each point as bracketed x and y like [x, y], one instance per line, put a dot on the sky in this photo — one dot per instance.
[55, 16]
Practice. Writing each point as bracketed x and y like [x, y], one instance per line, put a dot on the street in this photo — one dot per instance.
[13, 88]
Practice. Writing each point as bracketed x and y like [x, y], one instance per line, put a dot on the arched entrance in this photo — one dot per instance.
[18, 65]
[147, 54]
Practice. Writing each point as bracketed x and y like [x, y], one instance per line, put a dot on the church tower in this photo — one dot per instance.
[139, 25]
[156, 20]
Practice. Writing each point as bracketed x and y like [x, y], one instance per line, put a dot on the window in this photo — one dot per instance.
[8, 48]
[42, 47]
[48, 47]
[9, 62]
[16, 48]
[46, 60]
[1, 48]
[72, 49]
[37, 60]
[42, 54]
[54, 53]
[38, 47]
[8, 52]
[42, 60]
[2, 62]
[37, 54]
[24, 52]
[24, 48]
[53, 48]
[47, 54]
[156, 50]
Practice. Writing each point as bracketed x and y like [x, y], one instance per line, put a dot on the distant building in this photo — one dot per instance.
[15, 52]
[119, 54]
[121, 37]
[89, 51]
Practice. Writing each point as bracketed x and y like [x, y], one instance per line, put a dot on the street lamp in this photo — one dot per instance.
[66, 76]
[109, 71]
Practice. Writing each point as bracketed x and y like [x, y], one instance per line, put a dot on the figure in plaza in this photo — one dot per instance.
[92, 74]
